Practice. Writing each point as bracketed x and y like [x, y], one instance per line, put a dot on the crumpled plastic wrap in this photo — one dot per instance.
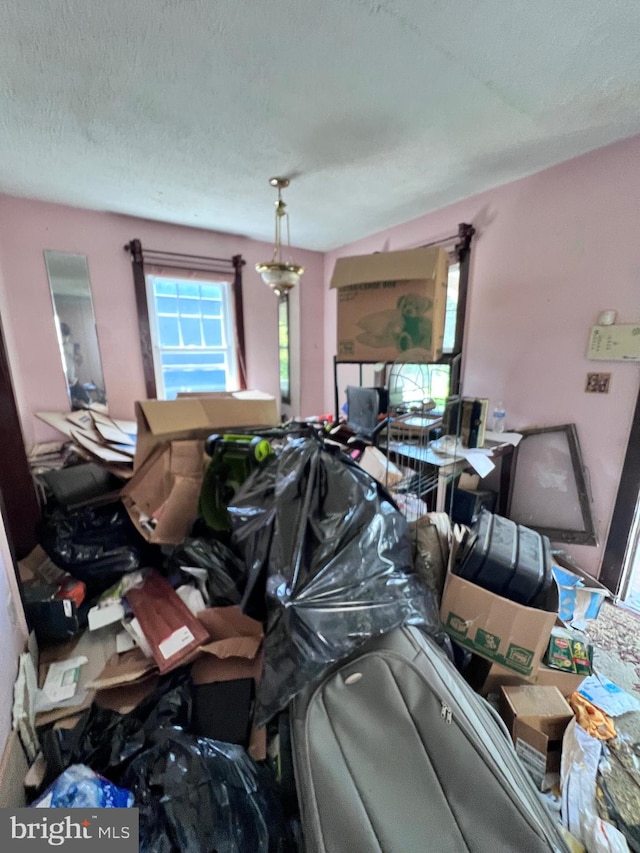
[337, 558]
[79, 787]
[107, 741]
[579, 766]
[197, 795]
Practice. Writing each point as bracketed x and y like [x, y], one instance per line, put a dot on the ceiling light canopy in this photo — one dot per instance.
[281, 275]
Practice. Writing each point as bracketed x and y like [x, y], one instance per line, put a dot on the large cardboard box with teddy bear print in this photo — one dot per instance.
[391, 304]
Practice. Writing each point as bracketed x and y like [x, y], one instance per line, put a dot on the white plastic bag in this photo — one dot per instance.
[580, 759]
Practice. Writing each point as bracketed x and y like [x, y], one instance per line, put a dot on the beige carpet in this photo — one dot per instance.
[615, 635]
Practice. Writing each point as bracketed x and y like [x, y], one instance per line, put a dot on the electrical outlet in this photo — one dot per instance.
[598, 383]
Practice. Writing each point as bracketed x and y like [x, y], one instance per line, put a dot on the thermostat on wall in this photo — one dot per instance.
[619, 342]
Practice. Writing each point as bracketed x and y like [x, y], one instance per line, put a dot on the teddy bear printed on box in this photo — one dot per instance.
[407, 326]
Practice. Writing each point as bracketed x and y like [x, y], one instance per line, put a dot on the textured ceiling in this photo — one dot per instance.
[380, 110]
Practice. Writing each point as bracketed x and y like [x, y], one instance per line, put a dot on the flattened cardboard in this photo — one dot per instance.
[233, 650]
[97, 648]
[234, 653]
[123, 698]
[120, 670]
[13, 769]
[510, 634]
[162, 421]
[390, 303]
[162, 496]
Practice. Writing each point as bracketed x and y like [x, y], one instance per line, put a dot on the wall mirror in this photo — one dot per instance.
[76, 328]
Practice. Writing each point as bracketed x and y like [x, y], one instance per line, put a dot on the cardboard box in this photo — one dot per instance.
[496, 628]
[498, 676]
[162, 496]
[536, 717]
[390, 303]
[580, 595]
[163, 421]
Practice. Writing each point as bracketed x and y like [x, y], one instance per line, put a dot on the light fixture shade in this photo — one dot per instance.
[281, 276]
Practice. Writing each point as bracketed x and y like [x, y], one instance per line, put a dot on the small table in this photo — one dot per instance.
[417, 455]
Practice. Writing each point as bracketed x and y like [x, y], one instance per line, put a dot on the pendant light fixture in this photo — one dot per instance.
[281, 275]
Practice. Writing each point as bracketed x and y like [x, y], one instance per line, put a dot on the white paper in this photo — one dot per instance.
[105, 614]
[192, 597]
[132, 627]
[124, 642]
[607, 696]
[513, 438]
[25, 693]
[61, 682]
[479, 461]
[176, 642]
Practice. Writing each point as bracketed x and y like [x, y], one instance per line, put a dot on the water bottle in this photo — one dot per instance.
[499, 415]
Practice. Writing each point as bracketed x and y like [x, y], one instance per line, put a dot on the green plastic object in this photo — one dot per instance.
[233, 458]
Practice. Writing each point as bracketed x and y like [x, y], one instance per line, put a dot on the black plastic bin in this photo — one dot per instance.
[509, 559]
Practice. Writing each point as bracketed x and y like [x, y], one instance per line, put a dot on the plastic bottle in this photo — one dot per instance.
[499, 416]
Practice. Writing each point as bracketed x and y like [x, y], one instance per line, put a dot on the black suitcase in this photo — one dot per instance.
[507, 558]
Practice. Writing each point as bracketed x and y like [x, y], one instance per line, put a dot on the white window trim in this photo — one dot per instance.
[228, 347]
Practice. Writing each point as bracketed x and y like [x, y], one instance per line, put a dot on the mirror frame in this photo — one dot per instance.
[83, 344]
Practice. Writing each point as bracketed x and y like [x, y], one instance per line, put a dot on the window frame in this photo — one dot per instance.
[227, 348]
[191, 266]
[284, 362]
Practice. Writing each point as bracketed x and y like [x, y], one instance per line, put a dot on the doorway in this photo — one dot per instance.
[621, 562]
[630, 586]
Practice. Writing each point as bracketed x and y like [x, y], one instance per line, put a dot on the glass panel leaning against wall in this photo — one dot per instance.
[192, 335]
[75, 324]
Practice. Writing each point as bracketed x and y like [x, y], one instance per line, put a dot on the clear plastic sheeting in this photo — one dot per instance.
[335, 555]
[197, 796]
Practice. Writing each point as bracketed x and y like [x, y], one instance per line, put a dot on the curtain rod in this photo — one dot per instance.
[464, 235]
[179, 260]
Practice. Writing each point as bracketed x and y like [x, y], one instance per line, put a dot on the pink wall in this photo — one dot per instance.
[28, 227]
[551, 251]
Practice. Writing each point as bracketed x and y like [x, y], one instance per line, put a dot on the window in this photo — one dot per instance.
[192, 335]
[411, 384]
[283, 348]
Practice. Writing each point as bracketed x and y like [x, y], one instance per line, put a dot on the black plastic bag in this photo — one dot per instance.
[338, 562]
[226, 574]
[197, 795]
[253, 522]
[97, 545]
[106, 741]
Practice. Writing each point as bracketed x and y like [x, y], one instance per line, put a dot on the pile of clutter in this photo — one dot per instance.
[176, 625]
